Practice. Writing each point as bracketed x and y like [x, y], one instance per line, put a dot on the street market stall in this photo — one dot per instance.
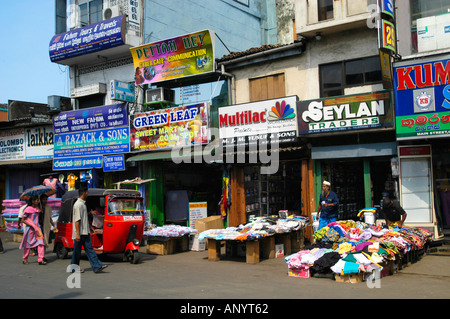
[168, 239]
[351, 251]
[263, 232]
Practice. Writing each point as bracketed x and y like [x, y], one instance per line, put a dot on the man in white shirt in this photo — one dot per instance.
[80, 233]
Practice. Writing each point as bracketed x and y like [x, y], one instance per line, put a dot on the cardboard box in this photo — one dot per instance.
[350, 278]
[211, 222]
[196, 244]
[298, 272]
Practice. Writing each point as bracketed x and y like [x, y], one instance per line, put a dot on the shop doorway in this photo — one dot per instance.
[267, 195]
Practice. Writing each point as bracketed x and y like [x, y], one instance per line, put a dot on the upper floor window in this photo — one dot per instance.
[335, 77]
[91, 12]
[325, 8]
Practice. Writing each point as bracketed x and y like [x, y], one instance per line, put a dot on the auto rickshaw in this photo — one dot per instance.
[123, 222]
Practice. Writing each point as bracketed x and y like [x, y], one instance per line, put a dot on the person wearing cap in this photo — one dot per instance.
[328, 205]
[394, 214]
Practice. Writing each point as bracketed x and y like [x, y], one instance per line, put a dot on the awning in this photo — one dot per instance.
[180, 154]
[356, 150]
[26, 161]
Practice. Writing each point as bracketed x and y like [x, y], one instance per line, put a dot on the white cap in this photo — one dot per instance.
[326, 183]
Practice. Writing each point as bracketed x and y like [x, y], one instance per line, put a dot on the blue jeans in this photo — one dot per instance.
[323, 221]
[85, 240]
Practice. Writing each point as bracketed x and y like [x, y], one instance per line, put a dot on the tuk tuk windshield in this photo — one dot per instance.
[125, 207]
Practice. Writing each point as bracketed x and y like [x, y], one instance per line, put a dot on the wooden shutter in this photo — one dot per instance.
[266, 88]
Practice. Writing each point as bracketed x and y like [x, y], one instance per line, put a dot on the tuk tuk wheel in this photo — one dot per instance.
[132, 256]
[61, 251]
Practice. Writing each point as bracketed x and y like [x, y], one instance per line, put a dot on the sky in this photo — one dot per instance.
[26, 72]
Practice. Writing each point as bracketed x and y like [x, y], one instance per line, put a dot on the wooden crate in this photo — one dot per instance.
[167, 246]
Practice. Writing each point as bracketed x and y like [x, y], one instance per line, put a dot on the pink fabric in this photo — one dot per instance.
[41, 253]
[31, 221]
[51, 183]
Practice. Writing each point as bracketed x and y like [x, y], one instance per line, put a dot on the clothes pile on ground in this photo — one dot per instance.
[348, 247]
[258, 228]
[169, 231]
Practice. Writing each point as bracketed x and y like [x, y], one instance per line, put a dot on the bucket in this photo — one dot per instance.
[369, 218]
[314, 216]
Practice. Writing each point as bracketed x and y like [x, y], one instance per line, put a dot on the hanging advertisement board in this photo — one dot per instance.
[186, 55]
[422, 98]
[168, 128]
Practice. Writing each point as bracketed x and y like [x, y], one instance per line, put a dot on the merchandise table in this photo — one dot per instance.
[260, 248]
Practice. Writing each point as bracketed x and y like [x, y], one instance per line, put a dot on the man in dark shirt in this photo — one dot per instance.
[328, 205]
[394, 214]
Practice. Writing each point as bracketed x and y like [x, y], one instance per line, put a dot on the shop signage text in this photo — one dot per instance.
[422, 98]
[186, 55]
[344, 113]
[168, 128]
[268, 121]
[96, 37]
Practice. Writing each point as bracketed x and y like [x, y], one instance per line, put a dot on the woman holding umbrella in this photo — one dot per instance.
[32, 236]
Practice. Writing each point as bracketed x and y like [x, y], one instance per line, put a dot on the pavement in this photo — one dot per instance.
[190, 276]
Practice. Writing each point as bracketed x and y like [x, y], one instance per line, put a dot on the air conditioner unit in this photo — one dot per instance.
[112, 12]
[159, 95]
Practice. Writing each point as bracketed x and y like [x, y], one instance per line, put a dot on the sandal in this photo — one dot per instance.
[25, 262]
[42, 262]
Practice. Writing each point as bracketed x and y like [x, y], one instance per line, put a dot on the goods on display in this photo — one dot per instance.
[259, 228]
[11, 211]
[169, 231]
[347, 247]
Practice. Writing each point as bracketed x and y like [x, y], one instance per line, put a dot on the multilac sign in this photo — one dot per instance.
[350, 112]
[270, 120]
[422, 98]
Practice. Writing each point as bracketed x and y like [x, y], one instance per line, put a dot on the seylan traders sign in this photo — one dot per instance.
[344, 113]
[186, 55]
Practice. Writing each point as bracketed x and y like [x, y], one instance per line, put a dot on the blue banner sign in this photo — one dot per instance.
[77, 163]
[114, 163]
[91, 119]
[122, 91]
[87, 143]
[92, 38]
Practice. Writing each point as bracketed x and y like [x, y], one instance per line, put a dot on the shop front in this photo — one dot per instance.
[353, 147]
[267, 159]
[422, 104]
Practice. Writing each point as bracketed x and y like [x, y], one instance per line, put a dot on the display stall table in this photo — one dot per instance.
[168, 239]
[260, 238]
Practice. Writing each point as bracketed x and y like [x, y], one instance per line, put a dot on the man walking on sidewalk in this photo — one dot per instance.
[80, 233]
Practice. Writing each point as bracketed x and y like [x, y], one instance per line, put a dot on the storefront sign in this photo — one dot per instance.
[93, 38]
[197, 210]
[122, 91]
[12, 145]
[97, 142]
[351, 112]
[91, 119]
[77, 163]
[114, 163]
[388, 38]
[266, 120]
[422, 98]
[187, 55]
[168, 128]
[39, 142]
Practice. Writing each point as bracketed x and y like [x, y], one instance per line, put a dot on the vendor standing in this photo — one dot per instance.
[328, 205]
